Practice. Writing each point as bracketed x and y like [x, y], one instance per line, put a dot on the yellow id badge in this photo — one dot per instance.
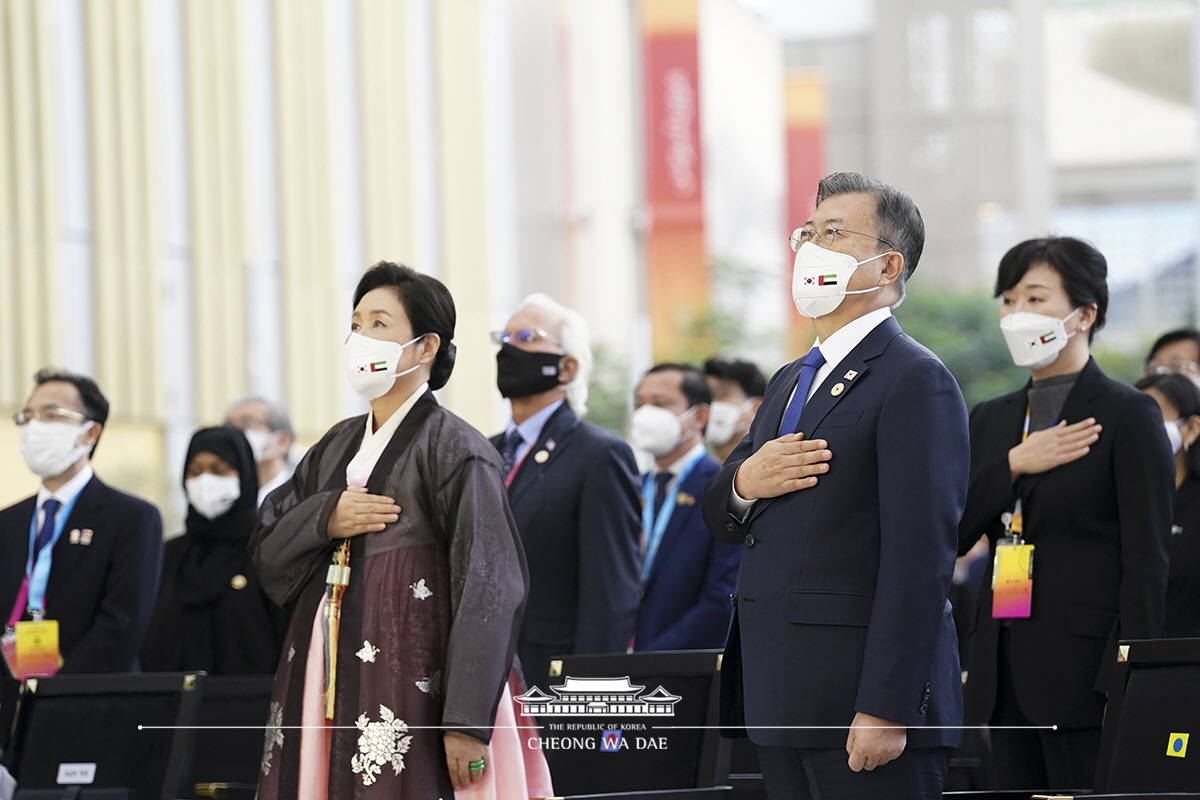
[1012, 581]
[37, 649]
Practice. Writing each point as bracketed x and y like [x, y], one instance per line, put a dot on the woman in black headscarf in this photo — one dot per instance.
[212, 614]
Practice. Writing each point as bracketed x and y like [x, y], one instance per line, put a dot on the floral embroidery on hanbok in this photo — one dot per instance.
[420, 590]
[367, 652]
[291, 653]
[380, 743]
[430, 684]
[274, 736]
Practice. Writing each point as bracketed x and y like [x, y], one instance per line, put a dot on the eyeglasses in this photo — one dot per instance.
[48, 414]
[830, 235]
[522, 336]
[1178, 365]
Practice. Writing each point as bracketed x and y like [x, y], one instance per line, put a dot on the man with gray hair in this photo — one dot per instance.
[573, 491]
[268, 428]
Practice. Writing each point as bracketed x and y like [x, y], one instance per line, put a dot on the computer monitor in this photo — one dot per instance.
[1151, 736]
[636, 722]
[107, 731]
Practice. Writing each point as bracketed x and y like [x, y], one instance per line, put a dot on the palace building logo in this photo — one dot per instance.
[612, 697]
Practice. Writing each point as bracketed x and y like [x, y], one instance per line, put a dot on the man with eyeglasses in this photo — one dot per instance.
[573, 491]
[842, 661]
[79, 556]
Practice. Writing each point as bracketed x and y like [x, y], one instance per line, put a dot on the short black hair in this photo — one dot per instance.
[745, 374]
[1171, 337]
[694, 385]
[1183, 394]
[1083, 269]
[899, 218]
[95, 404]
[428, 304]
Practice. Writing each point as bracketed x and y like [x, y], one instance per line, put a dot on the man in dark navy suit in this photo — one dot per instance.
[687, 575]
[842, 663]
[96, 552]
[573, 491]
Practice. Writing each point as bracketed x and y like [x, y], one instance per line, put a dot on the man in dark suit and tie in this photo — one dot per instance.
[687, 575]
[573, 491]
[842, 663]
[79, 552]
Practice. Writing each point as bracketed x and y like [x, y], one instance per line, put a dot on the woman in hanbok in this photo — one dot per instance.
[395, 546]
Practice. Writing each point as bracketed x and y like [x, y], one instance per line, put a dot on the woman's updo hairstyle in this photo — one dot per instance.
[429, 307]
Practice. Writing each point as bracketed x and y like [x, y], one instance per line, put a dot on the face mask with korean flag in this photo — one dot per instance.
[371, 364]
[819, 279]
[1035, 340]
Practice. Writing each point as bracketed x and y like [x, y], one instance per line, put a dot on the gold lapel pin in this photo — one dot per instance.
[85, 536]
[541, 457]
[238, 581]
[75, 536]
[685, 499]
[837, 389]
[851, 375]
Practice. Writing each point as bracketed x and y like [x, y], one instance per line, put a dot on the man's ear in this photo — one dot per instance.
[91, 435]
[567, 368]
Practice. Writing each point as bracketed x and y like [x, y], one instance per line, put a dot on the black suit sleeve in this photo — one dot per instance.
[923, 422]
[1145, 477]
[609, 559]
[990, 492]
[130, 590]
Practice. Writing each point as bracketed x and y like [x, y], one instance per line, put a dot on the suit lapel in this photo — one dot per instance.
[681, 518]
[824, 400]
[68, 557]
[555, 437]
[1078, 406]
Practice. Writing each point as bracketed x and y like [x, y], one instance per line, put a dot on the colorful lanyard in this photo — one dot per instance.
[32, 593]
[655, 526]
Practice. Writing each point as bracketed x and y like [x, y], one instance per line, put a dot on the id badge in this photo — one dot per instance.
[37, 649]
[1012, 581]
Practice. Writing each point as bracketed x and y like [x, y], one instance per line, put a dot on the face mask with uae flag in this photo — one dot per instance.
[371, 364]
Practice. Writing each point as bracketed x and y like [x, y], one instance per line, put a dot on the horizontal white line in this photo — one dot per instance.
[614, 727]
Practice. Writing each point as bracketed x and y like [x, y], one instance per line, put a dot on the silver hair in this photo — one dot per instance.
[277, 419]
[576, 342]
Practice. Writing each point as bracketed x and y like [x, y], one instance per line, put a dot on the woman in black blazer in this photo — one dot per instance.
[1179, 400]
[1081, 465]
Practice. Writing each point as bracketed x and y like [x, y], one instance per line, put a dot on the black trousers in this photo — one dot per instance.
[1037, 759]
[790, 773]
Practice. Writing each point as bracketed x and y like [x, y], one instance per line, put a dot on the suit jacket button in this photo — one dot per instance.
[732, 600]
[750, 540]
[729, 526]
[641, 606]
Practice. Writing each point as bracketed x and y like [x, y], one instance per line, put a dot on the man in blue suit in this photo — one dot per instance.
[846, 495]
[687, 576]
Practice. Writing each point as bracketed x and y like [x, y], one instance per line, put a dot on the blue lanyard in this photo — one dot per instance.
[39, 575]
[655, 527]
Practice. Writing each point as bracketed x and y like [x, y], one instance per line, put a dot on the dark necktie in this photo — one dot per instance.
[50, 510]
[512, 443]
[808, 370]
[661, 480]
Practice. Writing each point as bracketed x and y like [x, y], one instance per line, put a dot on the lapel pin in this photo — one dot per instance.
[541, 457]
[85, 536]
[851, 375]
[75, 536]
[837, 389]
[550, 445]
[684, 499]
[238, 581]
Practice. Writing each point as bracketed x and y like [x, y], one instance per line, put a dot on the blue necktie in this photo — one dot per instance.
[660, 489]
[512, 443]
[808, 370]
[50, 510]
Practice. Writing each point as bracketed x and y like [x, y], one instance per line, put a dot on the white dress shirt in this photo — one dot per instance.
[531, 429]
[65, 494]
[835, 349]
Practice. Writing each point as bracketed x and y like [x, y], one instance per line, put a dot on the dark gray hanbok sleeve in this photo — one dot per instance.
[488, 581]
[290, 541]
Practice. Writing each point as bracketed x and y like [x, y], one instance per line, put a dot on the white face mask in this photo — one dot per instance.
[820, 277]
[657, 430]
[723, 419]
[213, 495]
[371, 364]
[49, 448]
[1035, 340]
[264, 444]
[1174, 435]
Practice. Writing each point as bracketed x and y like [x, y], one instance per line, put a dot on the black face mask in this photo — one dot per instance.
[520, 373]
